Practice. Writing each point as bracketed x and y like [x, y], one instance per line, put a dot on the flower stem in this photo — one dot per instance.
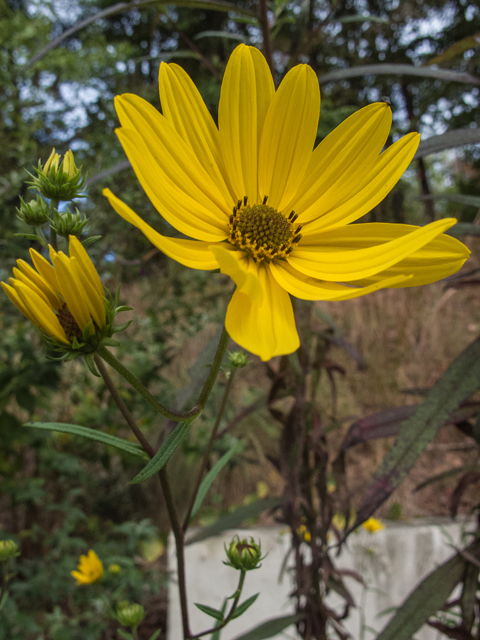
[236, 598]
[53, 234]
[208, 451]
[160, 408]
[166, 489]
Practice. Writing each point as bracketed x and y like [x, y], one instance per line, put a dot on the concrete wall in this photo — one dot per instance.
[391, 561]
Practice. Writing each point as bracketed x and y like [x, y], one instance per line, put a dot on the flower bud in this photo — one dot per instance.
[58, 180]
[237, 359]
[244, 555]
[69, 224]
[35, 213]
[130, 614]
[114, 569]
[8, 550]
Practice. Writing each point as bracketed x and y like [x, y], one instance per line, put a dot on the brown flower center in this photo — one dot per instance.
[262, 232]
[69, 324]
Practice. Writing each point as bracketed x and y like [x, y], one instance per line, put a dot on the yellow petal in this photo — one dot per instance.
[39, 312]
[246, 94]
[288, 136]
[14, 297]
[44, 268]
[94, 302]
[53, 298]
[326, 263]
[307, 288]
[180, 209]
[241, 269]
[191, 253]
[174, 157]
[19, 275]
[184, 108]
[380, 180]
[72, 289]
[342, 160]
[266, 330]
[77, 250]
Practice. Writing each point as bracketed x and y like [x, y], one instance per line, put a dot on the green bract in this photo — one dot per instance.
[244, 555]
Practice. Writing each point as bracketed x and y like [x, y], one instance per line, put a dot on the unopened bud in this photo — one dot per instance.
[69, 224]
[8, 550]
[237, 359]
[114, 569]
[244, 555]
[130, 614]
[58, 180]
[35, 213]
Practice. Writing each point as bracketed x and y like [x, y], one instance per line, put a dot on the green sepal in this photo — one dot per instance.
[88, 241]
[30, 236]
[110, 342]
[90, 362]
[122, 308]
[121, 327]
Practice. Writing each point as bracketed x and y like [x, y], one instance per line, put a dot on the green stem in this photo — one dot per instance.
[166, 489]
[39, 232]
[53, 234]
[160, 408]
[236, 598]
[208, 451]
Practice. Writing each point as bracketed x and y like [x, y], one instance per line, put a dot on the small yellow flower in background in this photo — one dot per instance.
[8, 550]
[262, 489]
[266, 208]
[90, 569]
[64, 300]
[114, 569]
[304, 533]
[372, 525]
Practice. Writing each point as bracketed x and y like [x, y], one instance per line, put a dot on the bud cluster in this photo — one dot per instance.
[58, 180]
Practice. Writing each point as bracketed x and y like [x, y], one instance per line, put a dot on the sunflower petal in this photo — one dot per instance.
[77, 250]
[377, 183]
[288, 136]
[350, 149]
[184, 108]
[191, 253]
[241, 269]
[71, 288]
[40, 313]
[30, 277]
[268, 329]
[307, 288]
[326, 263]
[44, 268]
[246, 94]
[184, 212]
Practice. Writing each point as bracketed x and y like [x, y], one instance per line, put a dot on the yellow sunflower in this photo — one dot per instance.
[90, 569]
[268, 209]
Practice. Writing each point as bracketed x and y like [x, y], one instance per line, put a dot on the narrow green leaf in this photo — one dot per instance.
[212, 474]
[219, 34]
[393, 69]
[92, 434]
[155, 634]
[167, 449]
[29, 236]
[468, 600]
[447, 474]
[89, 241]
[459, 381]
[270, 628]
[124, 634]
[448, 140]
[235, 519]
[244, 606]
[216, 635]
[428, 597]
[213, 613]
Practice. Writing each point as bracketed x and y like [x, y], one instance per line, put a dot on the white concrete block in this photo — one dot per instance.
[392, 562]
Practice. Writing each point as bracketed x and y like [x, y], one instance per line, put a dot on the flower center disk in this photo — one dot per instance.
[262, 232]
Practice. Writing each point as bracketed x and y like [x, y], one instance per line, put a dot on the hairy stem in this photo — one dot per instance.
[53, 234]
[158, 406]
[208, 451]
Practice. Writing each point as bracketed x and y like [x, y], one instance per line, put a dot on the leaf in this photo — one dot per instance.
[428, 597]
[124, 634]
[92, 434]
[456, 49]
[446, 474]
[471, 477]
[216, 635]
[378, 19]
[89, 241]
[448, 140]
[244, 606]
[270, 628]
[212, 474]
[123, 7]
[220, 34]
[213, 613]
[460, 380]
[468, 600]
[459, 198]
[155, 634]
[167, 449]
[235, 519]
[398, 70]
